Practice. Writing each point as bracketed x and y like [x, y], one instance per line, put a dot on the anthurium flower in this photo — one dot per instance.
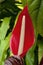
[22, 37]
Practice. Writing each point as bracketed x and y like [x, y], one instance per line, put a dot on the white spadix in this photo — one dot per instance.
[22, 34]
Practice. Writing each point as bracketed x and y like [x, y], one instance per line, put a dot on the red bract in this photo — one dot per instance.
[22, 37]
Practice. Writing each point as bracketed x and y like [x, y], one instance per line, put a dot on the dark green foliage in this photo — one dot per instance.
[8, 8]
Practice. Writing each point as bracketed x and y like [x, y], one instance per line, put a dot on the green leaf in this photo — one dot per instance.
[19, 6]
[36, 13]
[40, 19]
[29, 59]
[18, 0]
[4, 46]
[4, 27]
[4, 41]
[34, 5]
[33, 10]
[24, 2]
[29, 1]
[40, 51]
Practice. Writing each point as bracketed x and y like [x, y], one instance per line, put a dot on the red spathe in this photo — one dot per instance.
[29, 33]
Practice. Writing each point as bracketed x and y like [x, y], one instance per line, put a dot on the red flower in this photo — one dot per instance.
[22, 37]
